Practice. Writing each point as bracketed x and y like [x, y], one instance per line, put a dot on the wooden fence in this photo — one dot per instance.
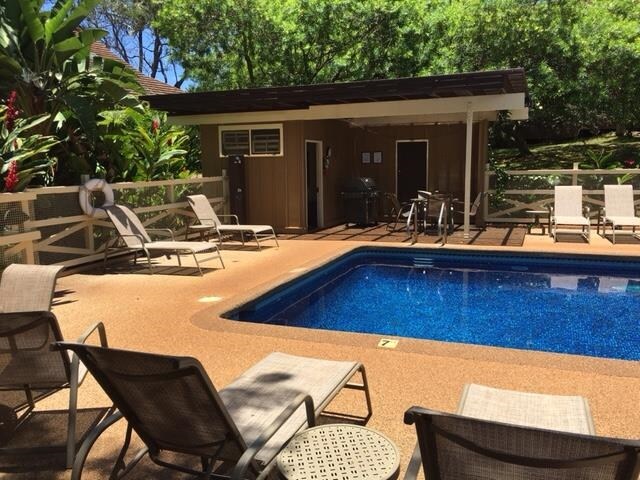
[47, 226]
[533, 190]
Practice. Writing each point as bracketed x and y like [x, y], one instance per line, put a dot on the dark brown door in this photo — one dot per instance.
[312, 186]
[412, 169]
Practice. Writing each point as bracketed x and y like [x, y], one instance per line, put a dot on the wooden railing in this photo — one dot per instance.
[47, 226]
[533, 190]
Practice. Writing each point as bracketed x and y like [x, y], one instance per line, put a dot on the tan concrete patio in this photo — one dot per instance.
[177, 312]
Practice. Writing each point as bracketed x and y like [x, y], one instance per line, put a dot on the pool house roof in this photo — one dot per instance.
[437, 98]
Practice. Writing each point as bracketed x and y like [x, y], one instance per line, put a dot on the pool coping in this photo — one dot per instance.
[211, 319]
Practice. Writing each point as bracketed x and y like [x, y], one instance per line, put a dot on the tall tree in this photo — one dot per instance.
[249, 43]
[539, 36]
[610, 59]
[131, 34]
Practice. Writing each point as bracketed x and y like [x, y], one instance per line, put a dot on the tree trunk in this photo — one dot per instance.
[521, 142]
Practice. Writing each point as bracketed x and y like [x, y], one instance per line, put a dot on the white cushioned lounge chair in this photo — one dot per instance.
[619, 210]
[208, 220]
[136, 238]
[508, 435]
[567, 210]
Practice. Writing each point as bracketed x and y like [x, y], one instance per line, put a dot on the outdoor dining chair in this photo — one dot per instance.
[245, 424]
[398, 212]
[208, 220]
[619, 210]
[135, 238]
[507, 435]
[30, 366]
[567, 210]
[28, 288]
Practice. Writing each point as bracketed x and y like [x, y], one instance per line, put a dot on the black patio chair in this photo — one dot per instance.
[457, 447]
[171, 404]
[395, 212]
[30, 367]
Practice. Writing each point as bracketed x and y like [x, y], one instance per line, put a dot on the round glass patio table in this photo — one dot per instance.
[339, 451]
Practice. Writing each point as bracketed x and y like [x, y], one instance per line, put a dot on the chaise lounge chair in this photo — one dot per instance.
[245, 424]
[28, 288]
[135, 238]
[506, 435]
[619, 210]
[567, 210]
[30, 366]
[210, 221]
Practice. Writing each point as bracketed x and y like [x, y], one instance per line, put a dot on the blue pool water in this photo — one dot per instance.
[567, 305]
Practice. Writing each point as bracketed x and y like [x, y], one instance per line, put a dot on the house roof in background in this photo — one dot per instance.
[150, 85]
[305, 96]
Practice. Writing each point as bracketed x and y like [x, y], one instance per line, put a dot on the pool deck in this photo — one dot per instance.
[177, 312]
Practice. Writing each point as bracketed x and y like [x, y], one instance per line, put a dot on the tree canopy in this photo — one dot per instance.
[582, 58]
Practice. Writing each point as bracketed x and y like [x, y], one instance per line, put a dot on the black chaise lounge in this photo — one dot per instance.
[171, 404]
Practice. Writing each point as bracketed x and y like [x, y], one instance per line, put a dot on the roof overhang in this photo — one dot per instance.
[430, 110]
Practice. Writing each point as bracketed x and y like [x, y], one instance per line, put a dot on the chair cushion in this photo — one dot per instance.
[630, 221]
[562, 220]
[186, 246]
[255, 399]
[245, 228]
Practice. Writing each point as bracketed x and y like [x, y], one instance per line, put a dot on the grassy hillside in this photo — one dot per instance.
[605, 151]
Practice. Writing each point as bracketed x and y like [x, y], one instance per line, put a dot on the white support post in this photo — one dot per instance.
[467, 170]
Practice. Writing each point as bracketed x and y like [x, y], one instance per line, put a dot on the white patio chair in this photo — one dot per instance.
[208, 220]
[619, 210]
[567, 210]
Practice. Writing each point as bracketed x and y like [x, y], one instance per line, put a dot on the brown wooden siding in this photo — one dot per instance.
[275, 186]
[446, 155]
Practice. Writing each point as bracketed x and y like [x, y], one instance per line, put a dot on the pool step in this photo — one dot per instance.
[422, 261]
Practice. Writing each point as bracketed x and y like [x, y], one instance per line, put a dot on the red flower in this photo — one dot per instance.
[629, 163]
[155, 125]
[11, 180]
[12, 111]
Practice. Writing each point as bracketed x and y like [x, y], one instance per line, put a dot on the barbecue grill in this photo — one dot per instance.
[360, 195]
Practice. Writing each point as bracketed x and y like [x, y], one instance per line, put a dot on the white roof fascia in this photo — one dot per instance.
[428, 106]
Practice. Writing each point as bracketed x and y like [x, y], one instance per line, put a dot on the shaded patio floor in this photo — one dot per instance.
[495, 236]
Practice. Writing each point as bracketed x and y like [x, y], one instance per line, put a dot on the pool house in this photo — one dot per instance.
[299, 145]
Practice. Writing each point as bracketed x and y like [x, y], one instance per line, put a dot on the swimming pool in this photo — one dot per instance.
[556, 304]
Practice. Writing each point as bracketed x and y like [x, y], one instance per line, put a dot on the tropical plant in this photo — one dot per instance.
[23, 154]
[145, 147]
[45, 57]
[599, 160]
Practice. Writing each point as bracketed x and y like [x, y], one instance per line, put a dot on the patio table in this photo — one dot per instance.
[338, 451]
[536, 220]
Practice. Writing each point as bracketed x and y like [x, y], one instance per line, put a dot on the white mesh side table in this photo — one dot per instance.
[339, 452]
